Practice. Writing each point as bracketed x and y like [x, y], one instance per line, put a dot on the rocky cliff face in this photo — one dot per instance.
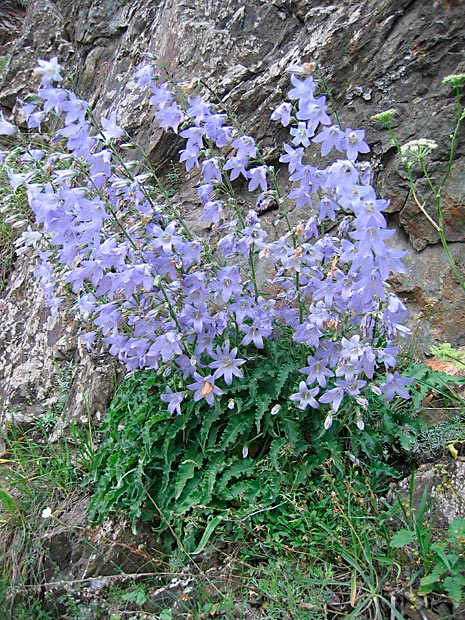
[375, 55]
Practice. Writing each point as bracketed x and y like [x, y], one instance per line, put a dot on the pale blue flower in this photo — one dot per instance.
[226, 364]
[306, 396]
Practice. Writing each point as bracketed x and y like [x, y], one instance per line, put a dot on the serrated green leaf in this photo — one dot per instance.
[402, 537]
[282, 376]
[237, 469]
[457, 528]
[454, 585]
[428, 582]
[185, 472]
[167, 469]
[418, 371]
[262, 406]
[248, 490]
[406, 440]
[211, 416]
[135, 596]
[187, 502]
[172, 431]
[275, 448]
[211, 473]
[237, 426]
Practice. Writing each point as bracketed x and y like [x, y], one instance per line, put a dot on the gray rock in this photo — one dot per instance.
[43, 367]
[444, 485]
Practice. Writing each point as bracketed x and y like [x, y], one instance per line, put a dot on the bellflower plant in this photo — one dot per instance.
[249, 353]
[166, 301]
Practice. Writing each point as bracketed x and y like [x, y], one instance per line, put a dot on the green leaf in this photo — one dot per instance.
[448, 559]
[248, 490]
[236, 470]
[282, 377]
[406, 440]
[212, 415]
[457, 528]
[453, 585]
[211, 473]
[428, 582]
[275, 449]
[193, 498]
[172, 431]
[262, 406]
[237, 426]
[135, 596]
[445, 352]
[185, 472]
[402, 538]
[211, 526]
[9, 503]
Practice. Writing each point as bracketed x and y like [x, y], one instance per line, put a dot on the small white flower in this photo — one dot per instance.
[49, 70]
[109, 127]
[276, 409]
[328, 422]
[415, 150]
[375, 389]
[385, 116]
[245, 452]
[6, 128]
[46, 513]
[455, 80]
[306, 68]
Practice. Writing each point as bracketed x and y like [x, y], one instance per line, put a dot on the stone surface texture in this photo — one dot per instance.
[443, 486]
